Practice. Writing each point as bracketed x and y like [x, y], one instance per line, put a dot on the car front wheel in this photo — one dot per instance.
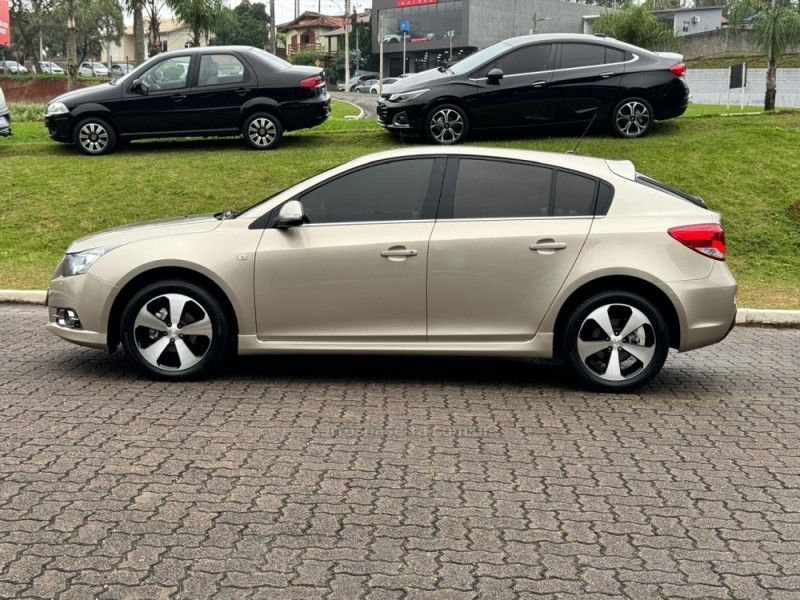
[174, 330]
[632, 118]
[262, 131]
[447, 124]
[616, 341]
[94, 136]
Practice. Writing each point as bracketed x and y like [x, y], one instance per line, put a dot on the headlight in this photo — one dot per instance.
[407, 96]
[56, 108]
[78, 263]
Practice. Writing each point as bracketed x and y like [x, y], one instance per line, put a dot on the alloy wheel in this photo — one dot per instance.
[632, 118]
[616, 342]
[447, 126]
[172, 332]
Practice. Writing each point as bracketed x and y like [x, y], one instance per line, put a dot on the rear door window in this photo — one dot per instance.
[581, 55]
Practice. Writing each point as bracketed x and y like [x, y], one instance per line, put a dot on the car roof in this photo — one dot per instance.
[586, 164]
[574, 37]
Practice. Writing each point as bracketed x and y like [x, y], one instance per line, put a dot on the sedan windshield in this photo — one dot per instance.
[474, 61]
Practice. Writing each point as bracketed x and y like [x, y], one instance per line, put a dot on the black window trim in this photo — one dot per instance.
[603, 64]
[553, 57]
[429, 206]
[447, 202]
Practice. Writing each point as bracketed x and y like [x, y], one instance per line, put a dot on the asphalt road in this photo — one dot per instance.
[397, 477]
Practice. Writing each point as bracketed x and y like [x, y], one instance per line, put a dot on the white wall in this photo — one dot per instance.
[710, 86]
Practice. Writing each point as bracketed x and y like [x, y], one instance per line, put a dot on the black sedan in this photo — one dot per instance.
[210, 91]
[540, 80]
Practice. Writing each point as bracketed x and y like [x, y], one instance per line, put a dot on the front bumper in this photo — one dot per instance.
[58, 127]
[90, 298]
[401, 118]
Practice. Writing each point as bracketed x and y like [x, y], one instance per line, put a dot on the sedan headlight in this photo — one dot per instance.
[407, 96]
[56, 108]
[78, 263]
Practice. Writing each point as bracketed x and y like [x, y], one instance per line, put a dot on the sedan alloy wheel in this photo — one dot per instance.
[174, 330]
[633, 118]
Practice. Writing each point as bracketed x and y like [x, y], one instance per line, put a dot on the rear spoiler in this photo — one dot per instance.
[673, 55]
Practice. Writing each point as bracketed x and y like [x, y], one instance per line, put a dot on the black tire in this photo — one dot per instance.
[590, 351]
[262, 131]
[94, 136]
[157, 345]
[446, 124]
[632, 118]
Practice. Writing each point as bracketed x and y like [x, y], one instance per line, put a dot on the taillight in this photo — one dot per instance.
[678, 70]
[311, 82]
[707, 239]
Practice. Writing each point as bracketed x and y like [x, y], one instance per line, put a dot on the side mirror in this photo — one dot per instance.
[290, 215]
[494, 76]
[139, 86]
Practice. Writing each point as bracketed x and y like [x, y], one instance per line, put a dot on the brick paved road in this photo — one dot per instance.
[397, 478]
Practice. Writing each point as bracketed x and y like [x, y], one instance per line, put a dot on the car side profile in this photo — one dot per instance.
[208, 91]
[13, 67]
[93, 69]
[468, 251]
[51, 67]
[542, 80]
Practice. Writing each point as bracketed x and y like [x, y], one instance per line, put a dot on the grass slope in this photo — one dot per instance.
[743, 167]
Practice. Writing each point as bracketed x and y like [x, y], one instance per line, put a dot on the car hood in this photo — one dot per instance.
[94, 93]
[421, 80]
[145, 231]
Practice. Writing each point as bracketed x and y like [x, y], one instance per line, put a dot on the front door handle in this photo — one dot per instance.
[398, 253]
[242, 92]
[178, 97]
[607, 75]
[548, 245]
[539, 83]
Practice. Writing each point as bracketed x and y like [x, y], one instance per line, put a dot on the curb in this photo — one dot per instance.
[745, 316]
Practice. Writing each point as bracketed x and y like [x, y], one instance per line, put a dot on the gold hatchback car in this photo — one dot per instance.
[448, 251]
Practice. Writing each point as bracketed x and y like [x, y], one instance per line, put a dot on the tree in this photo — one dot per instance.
[635, 25]
[136, 8]
[247, 25]
[200, 16]
[152, 10]
[775, 28]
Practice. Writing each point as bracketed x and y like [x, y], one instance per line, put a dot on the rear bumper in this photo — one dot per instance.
[709, 307]
[308, 113]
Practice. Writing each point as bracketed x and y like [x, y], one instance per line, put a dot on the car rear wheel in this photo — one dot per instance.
[616, 341]
[94, 136]
[175, 330]
[632, 118]
[262, 131]
[447, 124]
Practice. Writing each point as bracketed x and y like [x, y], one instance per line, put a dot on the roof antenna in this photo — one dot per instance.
[588, 127]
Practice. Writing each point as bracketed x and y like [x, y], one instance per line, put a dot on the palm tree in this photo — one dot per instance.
[775, 28]
[136, 7]
[200, 16]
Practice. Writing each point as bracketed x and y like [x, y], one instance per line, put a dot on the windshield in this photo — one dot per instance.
[474, 61]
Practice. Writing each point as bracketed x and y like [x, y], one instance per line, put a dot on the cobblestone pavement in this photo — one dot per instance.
[301, 477]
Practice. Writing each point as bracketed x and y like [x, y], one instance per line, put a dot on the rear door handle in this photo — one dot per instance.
[607, 75]
[539, 83]
[178, 97]
[398, 253]
[548, 246]
[242, 92]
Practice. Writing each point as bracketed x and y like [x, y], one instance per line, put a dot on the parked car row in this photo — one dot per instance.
[524, 82]
[85, 69]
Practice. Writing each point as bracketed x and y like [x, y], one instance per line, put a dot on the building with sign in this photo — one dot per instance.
[435, 32]
[5, 29]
